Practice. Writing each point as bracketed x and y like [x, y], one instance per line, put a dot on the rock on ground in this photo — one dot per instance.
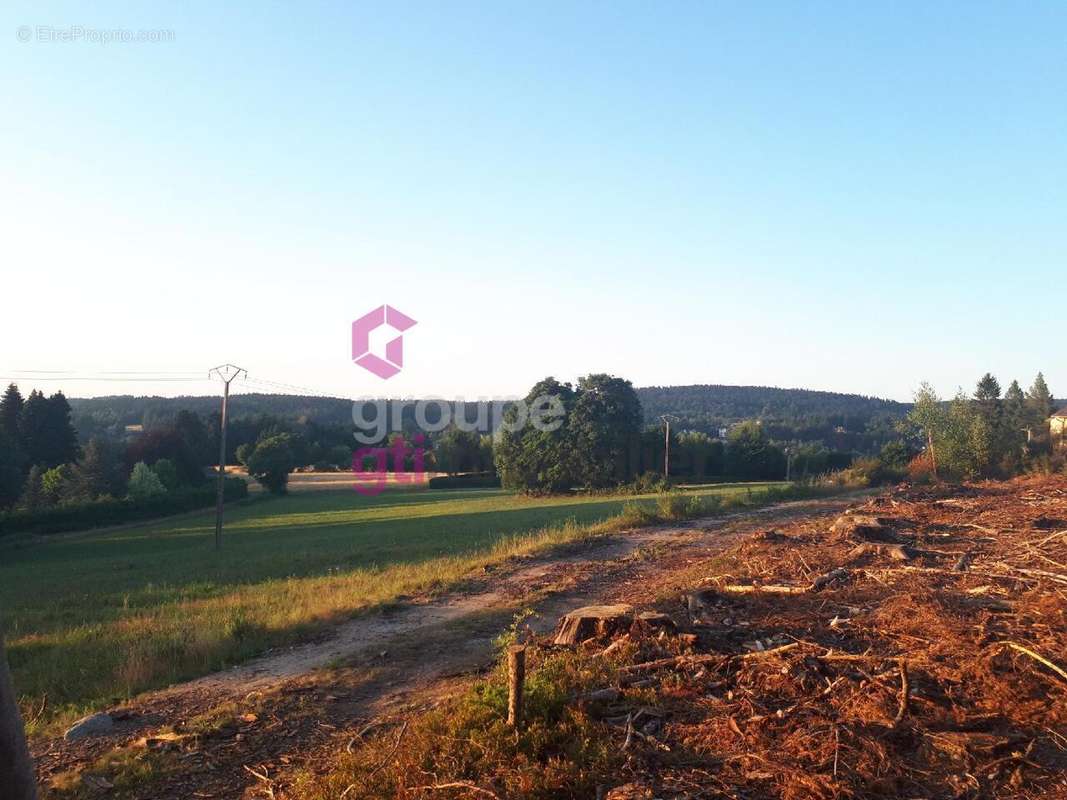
[92, 725]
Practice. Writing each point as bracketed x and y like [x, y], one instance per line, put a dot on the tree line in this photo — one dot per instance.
[985, 434]
[43, 464]
[604, 443]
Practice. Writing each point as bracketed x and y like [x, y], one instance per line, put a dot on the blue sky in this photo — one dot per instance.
[824, 195]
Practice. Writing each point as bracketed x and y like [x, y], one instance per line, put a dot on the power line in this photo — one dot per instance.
[98, 378]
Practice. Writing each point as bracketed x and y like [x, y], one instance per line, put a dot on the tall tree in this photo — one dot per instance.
[456, 450]
[63, 439]
[101, 471]
[1039, 400]
[532, 458]
[47, 432]
[928, 416]
[991, 440]
[11, 474]
[10, 410]
[750, 454]
[33, 429]
[604, 428]
[1014, 405]
[272, 461]
[988, 389]
[1014, 427]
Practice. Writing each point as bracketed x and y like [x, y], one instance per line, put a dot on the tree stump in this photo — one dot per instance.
[864, 528]
[593, 622]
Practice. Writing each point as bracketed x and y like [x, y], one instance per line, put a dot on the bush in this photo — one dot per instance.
[472, 480]
[677, 506]
[108, 511]
[921, 469]
[647, 483]
[144, 483]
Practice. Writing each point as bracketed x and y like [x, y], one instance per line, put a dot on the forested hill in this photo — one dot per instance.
[711, 405]
[838, 421]
[130, 410]
[704, 408]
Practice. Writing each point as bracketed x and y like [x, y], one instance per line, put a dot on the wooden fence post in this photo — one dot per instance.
[516, 680]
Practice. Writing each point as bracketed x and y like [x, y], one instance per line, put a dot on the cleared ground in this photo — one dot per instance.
[91, 618]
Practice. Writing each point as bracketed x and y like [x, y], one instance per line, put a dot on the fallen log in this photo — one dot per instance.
[768, 588]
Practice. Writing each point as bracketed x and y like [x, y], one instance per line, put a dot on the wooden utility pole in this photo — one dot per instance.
[226, 372]
[516, 684]
[17, 780]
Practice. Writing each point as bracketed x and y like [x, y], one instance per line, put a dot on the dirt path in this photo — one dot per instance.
[287, 708]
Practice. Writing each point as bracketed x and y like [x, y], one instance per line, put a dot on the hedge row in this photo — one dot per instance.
[473, 480]
[109, 511]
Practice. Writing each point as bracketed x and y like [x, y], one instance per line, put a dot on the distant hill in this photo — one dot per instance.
[705, 404]
[839, 421]
[129, 410]
[844, 421]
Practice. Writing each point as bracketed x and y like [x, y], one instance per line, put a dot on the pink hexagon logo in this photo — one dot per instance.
[390, 365]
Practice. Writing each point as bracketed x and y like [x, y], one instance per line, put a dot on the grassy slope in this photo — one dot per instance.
[94, 617]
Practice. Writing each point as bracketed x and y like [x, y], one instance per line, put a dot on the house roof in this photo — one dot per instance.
[1062, 412]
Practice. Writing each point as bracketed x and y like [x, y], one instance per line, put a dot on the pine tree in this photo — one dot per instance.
[100, 472]
[10, 410]
[63, 439]
[1039, 400]
[11, 474]
[33, 429]
[1014, 403]
[987, 428]
[1015, 426]
[988, 389]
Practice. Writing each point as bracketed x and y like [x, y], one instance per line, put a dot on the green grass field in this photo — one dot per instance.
[95, 617]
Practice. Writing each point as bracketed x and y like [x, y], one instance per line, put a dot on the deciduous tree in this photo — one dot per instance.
[144, 483]
[604, 427]
[272, 461]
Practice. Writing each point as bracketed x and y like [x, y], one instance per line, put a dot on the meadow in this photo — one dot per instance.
[93, 618]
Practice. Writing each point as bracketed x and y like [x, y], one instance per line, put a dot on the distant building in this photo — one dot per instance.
[1057, 424]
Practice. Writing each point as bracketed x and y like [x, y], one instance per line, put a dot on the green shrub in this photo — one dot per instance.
[648, 482]
[677, 506]
[472, 480]
[108, 511]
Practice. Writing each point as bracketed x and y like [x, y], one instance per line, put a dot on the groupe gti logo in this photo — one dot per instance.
[391, 364]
